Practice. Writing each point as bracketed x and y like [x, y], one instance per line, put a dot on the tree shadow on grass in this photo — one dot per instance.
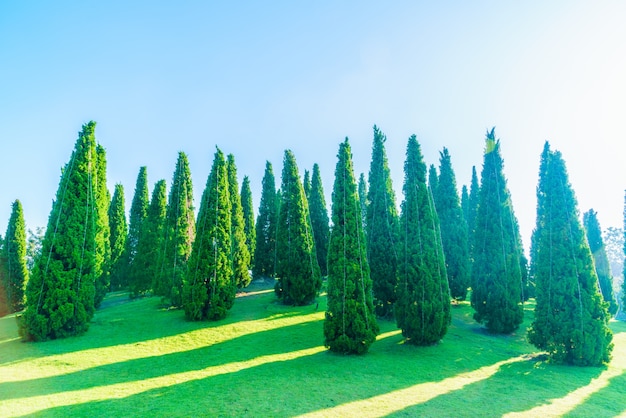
[608, 401]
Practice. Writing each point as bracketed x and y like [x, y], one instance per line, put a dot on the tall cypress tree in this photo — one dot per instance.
[138, 213]
[297, 269]
[60, 292]
[178, 234]
[571, 320]
[472, 210]
[601, 261]
[350, 324]
[265, 252]
[423, 307]
[382, 229]
[248, 216]
[362, 190]
[453, 228]
[103, 232]
[433, 179]
[496, 275]
[307, 183]
[14, 254]
[146, 261]
[240, 251]
[209, 289]
[119, 231]
[465, 204]
[319, 219]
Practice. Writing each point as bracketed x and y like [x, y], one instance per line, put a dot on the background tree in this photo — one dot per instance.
[178, 233]
[453, 228]
[433, 179]
[248, 217]
[240, 251]
[319, 219]
[264, 265]
[145, 263]
[138, 213]
[423, 307]
[473, 202]
[614, 243]
[14, 254]
[601, 261]
[306, 182]
[465, 204]
[103, 231]
[119, 231]
[382, 229]
[61, 289]
[350, 324]
[571, 320]
[34, 243]
[496, 275]
[362, 190]
[297, 269]
[209, 289]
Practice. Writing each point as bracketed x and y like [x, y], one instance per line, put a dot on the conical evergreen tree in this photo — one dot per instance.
[382, 229]
[248, 217]
[601, 261]
[319, 219]
[433, 179]
[453, 228]
[14, 254]
[465, 204]
[571, 320]
[61, 289]
[362, 190]
[119, 231]
[138, 213]
[423, 307]
[265, 251]
[240, 251]
[178, 234]
[103, 231]
[350, 324]
[307, 183]
[146, 260]
[209, 289]
[297, 269]
[473, 202]
[496, 276]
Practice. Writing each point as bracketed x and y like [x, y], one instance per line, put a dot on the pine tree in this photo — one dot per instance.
[61, 289]
[14, 254]
[179, 230]
[209, 289]
[138, 213]
[319, 219]
[350, 324]
[119, 231]
[473, 202]
[571, 320]
[453, 228]
[146, 260]
[103, 232]
[362, 190]
[248, 217]
[382, 229]
[433, 179]
[307, 184]
[297, 269]
[265, 252]
[496, 276]
[601, 261]
[240, 252]
[465, 204]
[423, 307]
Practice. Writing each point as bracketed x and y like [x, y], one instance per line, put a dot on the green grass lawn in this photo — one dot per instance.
[266, 359]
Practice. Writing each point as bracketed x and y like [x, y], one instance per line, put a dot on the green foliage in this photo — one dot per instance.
[240, 252]
[453, 228]
[209, 289]
[178, 233]
[601, 261]
[297, 269]
[423, 307]
[119, 231]
[4, 303]
[571, 320]
[265, 252]
[382, 229]
[362, 190]
[14, 254]
[145, 263]
[306, 182]
[496, 274]
[350, 325]
[472, 208]
[319, 219]
[138, 213]
[103, 232]
[248, 217]
[61, 289]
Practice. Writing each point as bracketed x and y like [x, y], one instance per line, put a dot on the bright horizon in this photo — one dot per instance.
[256, 80]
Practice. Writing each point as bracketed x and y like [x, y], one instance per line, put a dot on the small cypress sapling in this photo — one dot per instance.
[14, 254]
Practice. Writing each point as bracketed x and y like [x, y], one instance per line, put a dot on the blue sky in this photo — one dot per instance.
[256, 79]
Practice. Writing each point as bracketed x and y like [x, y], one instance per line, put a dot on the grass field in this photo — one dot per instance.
[266, 359]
